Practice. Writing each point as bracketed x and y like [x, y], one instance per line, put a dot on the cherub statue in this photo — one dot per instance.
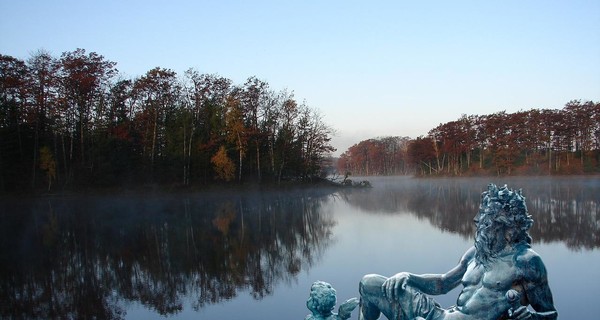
[322, 301]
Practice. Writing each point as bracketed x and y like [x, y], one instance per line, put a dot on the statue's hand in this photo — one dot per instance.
[521, 313]
[392, 286]
[345, 310]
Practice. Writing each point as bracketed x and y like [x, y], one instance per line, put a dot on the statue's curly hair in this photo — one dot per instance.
[507, 207]
[323, 296]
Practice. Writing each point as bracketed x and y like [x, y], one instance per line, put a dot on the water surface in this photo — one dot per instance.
[254, 255]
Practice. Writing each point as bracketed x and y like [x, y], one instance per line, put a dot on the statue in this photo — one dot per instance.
[322, 300]
[501, 275]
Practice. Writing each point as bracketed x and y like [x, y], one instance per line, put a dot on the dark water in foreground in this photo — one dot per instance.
[254, 255]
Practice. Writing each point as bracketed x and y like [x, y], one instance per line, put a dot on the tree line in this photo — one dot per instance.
[74, 121]
[536, 142]
[377, 156]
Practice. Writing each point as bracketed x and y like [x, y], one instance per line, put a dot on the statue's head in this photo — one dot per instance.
[322, 298]
[502, 220]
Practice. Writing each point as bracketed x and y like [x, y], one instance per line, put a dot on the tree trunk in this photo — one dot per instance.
[153, 144]
[189, 150]
[549, 160]
[81, 141]
[241, 155]
[280, 172]
[481, 158]
[64, 152]
[258, 160]
[35, 151]
[184, 156]
[272, 155]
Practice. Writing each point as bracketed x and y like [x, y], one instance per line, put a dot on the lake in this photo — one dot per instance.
[254, 255]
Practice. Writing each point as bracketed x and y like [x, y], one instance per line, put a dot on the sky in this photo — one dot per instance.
[372, 68]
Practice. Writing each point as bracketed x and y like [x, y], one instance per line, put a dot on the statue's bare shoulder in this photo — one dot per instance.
[531, 266]
[468, 256]
[534, 283]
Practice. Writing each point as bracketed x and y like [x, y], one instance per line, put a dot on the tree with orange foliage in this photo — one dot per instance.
[48, 164]
[222, 164]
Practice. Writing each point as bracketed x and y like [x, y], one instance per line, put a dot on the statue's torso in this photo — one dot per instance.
[483, 295]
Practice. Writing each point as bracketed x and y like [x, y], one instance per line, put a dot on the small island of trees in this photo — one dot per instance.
[534, 142]
[74, 122]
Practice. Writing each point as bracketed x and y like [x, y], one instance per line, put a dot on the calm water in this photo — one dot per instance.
[254, 255]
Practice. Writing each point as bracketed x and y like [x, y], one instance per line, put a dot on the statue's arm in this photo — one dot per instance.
[536, 289]
[433, 284]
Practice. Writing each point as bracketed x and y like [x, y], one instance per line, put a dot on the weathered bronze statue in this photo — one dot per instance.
[501, 275]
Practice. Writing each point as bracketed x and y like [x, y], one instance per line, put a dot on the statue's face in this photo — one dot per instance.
[486, 224]
[489, 236]
[483, 224]
[476, 219]
[310, 304]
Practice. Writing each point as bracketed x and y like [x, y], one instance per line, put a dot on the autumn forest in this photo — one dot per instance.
[534, 142]
[74, 121]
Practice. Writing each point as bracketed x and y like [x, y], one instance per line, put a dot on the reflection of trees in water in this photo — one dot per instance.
[564, 209]
[67, 258]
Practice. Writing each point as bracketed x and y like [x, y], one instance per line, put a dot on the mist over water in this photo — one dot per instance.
[253, 255]
[564, 209]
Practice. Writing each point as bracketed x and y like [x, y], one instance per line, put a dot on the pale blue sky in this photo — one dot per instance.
[373, 68]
